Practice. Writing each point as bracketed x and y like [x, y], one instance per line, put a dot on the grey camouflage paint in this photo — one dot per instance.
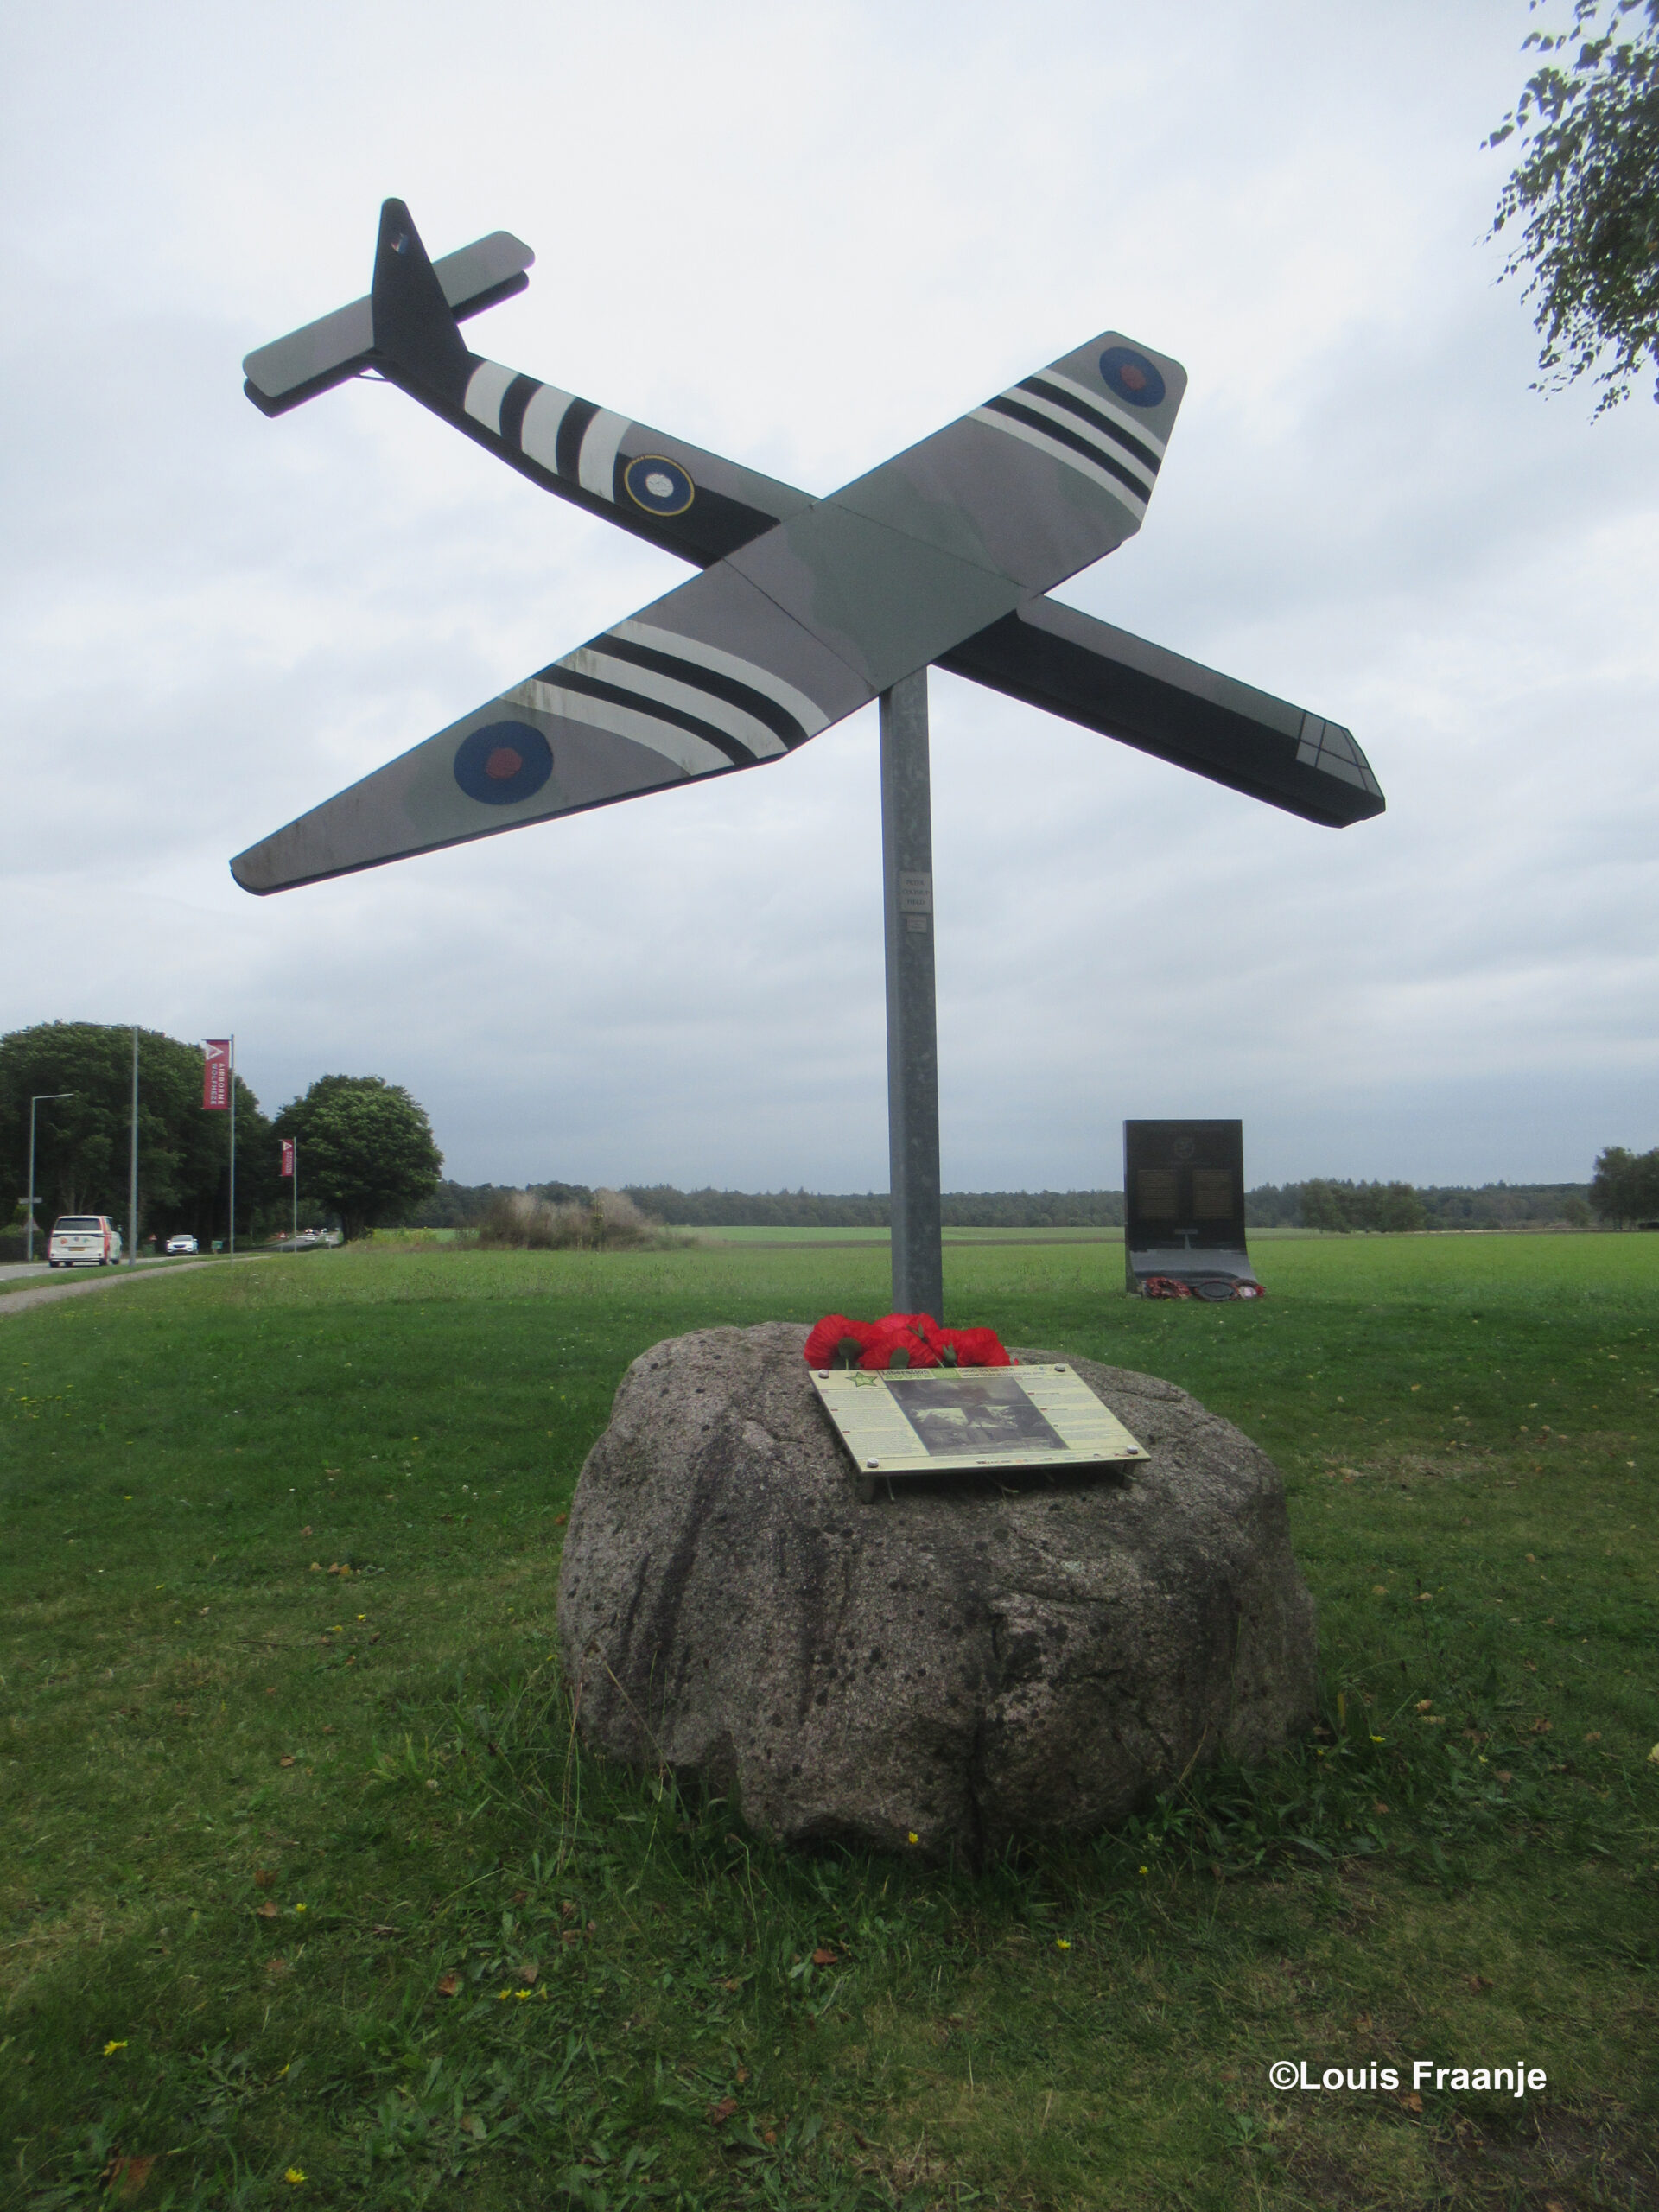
[806, 609]
[819, 614]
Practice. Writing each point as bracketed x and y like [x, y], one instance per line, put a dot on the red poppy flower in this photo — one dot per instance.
[918, 1337]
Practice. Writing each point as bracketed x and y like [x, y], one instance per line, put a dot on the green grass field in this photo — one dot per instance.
[829, 1235]
[310, 1897]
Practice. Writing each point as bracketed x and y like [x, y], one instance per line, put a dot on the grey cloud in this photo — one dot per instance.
[211, 622]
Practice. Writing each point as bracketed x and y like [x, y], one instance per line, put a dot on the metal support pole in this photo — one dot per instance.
[296, 1194]
[913, 1036]
[41, 1098]
[132, 1162]
[232, 1148]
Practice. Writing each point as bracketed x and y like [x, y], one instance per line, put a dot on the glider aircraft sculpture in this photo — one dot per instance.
[804, 611]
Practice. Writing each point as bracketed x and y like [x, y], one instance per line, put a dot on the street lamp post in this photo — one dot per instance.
[132, 1162]
[39, 1099]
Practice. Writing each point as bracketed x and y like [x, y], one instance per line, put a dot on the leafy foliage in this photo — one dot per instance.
[464, 1205]
[519, 1221]
[1345, 1206]
[81, 1142]
[1626, 1186]
[366, 1150]
[1587, 193]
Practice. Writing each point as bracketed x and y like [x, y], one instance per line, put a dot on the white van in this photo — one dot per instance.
[83, 1237]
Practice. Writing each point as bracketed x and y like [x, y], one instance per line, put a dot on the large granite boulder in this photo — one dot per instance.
[966, 1664]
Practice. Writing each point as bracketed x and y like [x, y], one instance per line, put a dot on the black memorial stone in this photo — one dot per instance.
[1184, 1206]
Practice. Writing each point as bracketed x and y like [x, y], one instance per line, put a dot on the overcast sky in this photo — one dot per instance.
[806, 237]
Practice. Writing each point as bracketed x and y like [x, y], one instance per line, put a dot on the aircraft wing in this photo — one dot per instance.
[792, 631]
[1087, 672]
[704, 508]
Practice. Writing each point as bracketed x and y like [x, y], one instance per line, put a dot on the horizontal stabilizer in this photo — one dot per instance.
[337, 346]
[1074, 665]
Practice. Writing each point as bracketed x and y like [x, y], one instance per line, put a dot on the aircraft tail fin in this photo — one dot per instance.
[415, 331]
[341, 345]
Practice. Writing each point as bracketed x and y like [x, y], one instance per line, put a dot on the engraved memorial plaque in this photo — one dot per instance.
[944, 1420]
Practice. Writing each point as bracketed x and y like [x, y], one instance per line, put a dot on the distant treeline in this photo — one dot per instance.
[461, 1205]
[1320, 1204]
[465, 1205]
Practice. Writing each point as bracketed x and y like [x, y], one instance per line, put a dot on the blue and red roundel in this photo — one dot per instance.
[503, 762]
[1131, 376]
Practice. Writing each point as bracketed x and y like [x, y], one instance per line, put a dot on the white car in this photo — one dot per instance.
[76, 1237]
[183, 1244]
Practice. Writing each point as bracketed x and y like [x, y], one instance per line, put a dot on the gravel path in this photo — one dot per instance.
[18, 1301]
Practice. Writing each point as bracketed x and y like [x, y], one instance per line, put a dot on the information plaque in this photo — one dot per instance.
[935, 1420]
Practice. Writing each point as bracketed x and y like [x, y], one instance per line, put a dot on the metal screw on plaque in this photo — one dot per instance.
[746, 662]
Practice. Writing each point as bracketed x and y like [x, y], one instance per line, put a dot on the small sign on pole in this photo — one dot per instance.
[288, 1156]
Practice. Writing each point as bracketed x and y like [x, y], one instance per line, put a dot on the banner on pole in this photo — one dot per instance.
[216, 1075]
[287, 1167]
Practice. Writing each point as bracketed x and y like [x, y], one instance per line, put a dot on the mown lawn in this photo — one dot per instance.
[307, 1894]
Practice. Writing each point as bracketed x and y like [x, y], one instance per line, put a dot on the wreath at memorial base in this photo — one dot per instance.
[1173, 1286]
[900, 1340]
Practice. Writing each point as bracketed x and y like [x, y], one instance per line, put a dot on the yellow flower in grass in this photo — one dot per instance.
[1061, 1943]
[1143, 1870]
[913, 1837]
[110, 2049]
[294, 2174]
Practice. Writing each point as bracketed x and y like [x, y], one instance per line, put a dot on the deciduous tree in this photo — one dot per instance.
[1625, 1186]
[366, 1150]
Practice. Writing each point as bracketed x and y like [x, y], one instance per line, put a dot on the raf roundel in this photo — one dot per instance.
[1131, 376]
[503, 763]
[661, 487]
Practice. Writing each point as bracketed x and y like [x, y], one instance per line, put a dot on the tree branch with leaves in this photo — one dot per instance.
[1586, 195]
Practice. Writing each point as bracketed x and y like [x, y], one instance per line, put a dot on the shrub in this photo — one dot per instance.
[607, 1222]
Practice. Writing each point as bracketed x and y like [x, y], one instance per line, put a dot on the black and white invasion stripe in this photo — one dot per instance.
[1083, 428]
[568, 437]
[697, 705]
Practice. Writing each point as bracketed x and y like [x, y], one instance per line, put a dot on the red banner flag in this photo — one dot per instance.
[287, 1167]
[216, 1075]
